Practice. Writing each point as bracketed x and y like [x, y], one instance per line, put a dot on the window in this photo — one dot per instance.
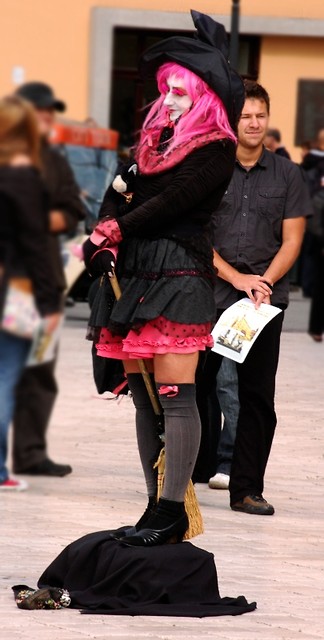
[310, 110]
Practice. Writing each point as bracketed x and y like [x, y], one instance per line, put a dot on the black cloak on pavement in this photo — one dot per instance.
[102, 576]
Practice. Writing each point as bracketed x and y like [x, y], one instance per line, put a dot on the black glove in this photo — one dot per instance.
[97, 259]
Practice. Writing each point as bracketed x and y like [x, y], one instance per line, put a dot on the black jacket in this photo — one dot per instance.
[64, 196]
[178, 203]
[24, 235]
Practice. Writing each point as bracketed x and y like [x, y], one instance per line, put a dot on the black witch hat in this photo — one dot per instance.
[206, 54]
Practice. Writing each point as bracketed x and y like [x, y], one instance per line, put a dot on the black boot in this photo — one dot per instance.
[168, 523]
[130, 531]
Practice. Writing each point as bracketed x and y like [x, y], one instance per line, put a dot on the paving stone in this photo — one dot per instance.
[277, 561]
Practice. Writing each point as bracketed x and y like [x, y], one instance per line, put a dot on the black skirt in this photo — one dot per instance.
[157, 278]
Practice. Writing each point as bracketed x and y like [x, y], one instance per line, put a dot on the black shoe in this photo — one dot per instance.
[117, 534]
[255, 505]
[130, 531]
[168, 523]
[47, 468]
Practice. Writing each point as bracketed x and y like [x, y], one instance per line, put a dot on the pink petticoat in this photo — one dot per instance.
[159, 336]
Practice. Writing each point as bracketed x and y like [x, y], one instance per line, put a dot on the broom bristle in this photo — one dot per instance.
[196, 526]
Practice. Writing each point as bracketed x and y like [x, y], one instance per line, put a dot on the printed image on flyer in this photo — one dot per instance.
[44, 346]
[239, 326]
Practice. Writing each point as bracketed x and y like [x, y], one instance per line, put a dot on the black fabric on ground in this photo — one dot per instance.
[102, 576]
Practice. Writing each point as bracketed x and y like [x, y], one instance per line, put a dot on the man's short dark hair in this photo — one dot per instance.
[257, 91]
[274, 133]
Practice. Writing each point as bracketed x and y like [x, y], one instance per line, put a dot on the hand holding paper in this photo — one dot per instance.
[239, 326]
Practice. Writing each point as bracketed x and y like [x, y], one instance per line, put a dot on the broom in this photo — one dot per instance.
[195, 526]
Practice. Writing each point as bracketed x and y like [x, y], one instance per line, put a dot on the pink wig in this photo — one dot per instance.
[206, 115]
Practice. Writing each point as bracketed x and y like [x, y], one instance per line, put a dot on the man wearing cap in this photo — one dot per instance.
[38, 388]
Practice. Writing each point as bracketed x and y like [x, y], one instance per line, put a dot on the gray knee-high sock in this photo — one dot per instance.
[148, 441]
[182, 437]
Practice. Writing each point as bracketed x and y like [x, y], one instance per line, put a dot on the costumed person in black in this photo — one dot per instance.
[164, 265]
[185, 158]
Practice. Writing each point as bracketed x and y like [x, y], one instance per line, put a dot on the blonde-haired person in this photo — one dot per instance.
[23, 250]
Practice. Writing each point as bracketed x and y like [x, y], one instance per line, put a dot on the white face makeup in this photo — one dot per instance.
[176, 100]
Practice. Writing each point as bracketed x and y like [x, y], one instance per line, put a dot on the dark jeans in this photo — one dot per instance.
[217, 442]
[227, 393]
[35, 397]
[13, 355]
[257, 418]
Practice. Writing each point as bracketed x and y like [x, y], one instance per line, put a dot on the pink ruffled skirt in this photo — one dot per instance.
[158, 336]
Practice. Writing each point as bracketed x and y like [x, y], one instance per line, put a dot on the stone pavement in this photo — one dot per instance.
[277, 561]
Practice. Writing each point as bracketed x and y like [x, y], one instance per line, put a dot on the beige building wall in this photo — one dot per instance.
[50, 40]
[283, 62]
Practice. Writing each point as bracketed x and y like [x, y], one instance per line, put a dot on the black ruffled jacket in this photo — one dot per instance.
[24, 236]
[177, 203]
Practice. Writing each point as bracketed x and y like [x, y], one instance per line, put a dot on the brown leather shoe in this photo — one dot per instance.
[256, 505]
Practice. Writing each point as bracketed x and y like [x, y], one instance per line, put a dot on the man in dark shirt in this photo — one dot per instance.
[258, 230]
[273, 143]
[37, 389]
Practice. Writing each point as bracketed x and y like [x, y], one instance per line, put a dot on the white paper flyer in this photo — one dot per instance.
[239, 326]
[44, 346]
